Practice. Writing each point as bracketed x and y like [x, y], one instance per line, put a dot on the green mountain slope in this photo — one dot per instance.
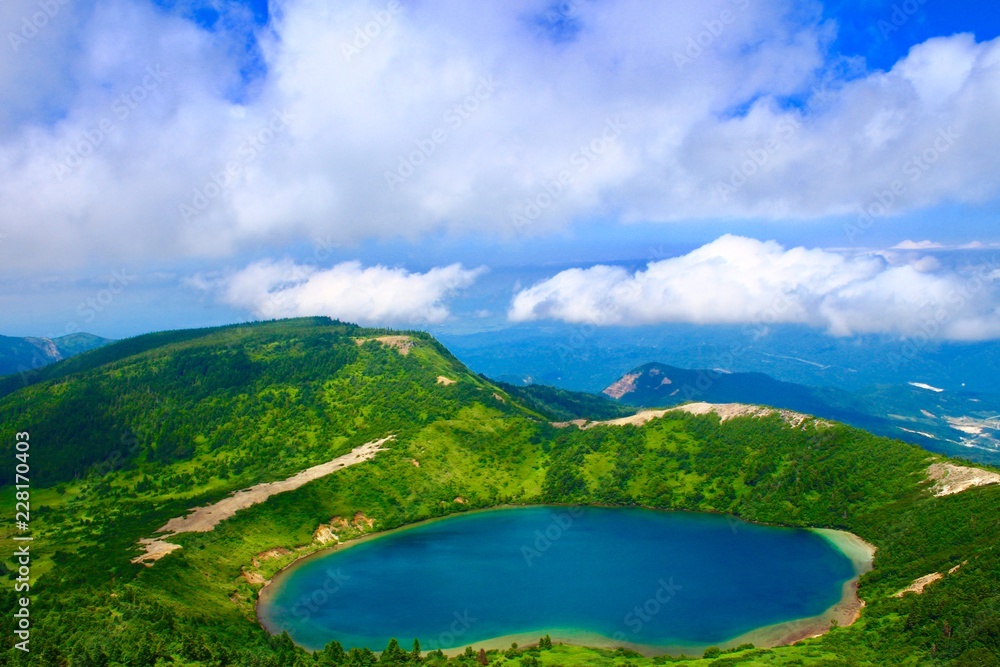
[132, 435]
[563, 405]
[295, 389]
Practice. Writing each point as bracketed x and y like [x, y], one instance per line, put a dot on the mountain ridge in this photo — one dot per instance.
[26, 355]
[126, 438]
[948, 422]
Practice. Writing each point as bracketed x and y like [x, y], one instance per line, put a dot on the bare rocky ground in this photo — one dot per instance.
[204, 519]
[724, 410]
[950, 478]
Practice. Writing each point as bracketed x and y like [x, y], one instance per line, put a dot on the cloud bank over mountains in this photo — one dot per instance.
[348, 291]
[131, 131]
[732, 280]
[736, 280]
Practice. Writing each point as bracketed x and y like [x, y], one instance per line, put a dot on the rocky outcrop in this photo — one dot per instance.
[624, 386]
[949, 478]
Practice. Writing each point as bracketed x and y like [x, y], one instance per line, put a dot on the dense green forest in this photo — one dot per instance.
[561, 405]
[130, 435]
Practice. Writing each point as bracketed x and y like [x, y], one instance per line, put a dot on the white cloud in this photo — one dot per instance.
[415, 94]
[740, 280]
[348, 291]
[917, 245]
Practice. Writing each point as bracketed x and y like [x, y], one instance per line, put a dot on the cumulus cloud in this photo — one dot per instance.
[379, 120]
[737, 280]
[348, 291]
[917, 245]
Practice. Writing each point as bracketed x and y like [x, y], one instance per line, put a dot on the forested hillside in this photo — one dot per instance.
[136, 433]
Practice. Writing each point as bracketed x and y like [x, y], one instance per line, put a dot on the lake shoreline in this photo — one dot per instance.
[843, 613]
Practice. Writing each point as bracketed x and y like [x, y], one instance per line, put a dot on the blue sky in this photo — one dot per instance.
[175, 164]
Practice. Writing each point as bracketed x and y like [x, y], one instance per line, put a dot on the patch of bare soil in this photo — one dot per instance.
[276, 552]
[576, 422]
[724, 410]
[254, 577]
[638, 419]
[401, 343]
[950, 478]
[323, 535]
[923, 582]
[920, 584]
[204, 519]
[338, 527]
[730, 410]
[626, 385]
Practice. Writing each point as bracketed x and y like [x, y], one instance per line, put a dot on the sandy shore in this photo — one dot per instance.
[845, 612]
[861, 553]
[206, 518]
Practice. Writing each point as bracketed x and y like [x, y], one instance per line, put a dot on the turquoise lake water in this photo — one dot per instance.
[629, 575]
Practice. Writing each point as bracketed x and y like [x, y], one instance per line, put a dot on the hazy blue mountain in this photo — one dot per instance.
[589, 358]
[19, 355]
[957, 423]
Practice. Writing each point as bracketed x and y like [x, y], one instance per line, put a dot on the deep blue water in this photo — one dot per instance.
[632, 575]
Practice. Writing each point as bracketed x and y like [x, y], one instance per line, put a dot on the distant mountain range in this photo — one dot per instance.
[20, 355]
[957, 423]
[585, 357]
[948, 420]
